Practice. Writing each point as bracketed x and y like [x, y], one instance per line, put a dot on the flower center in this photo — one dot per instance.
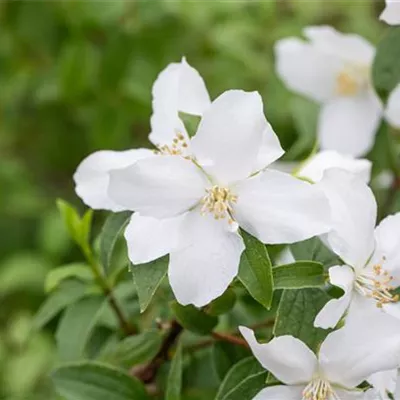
[319, 389]
[377, 285]
[351, 80]
[178, 146]
[218, 201]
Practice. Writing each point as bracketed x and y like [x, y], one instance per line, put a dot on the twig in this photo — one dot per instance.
[229, 338]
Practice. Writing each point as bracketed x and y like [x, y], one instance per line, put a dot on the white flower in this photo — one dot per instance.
[392, 112]
[391, 13]
[191, 206]
[345, 359]
[385, 382]
[371, 256]
[334, 69]
[178, 88]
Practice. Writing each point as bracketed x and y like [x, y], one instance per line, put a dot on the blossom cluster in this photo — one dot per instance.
[195, 192]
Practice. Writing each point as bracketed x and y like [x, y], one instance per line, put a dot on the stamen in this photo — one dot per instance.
[178, 146]
[218, 201]
[319, 389]
[351, 80]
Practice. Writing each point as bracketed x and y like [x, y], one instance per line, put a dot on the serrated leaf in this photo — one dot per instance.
[174, 384]
[68, 293]
[255, 270]
[314, 250]
[79, 271]
[243, 381]
[194, 319]
[93, 381]
[147, 278]
[133, 350]
[298, 275]
[112, 228]
[386, 66]
[296, 314]
[75, 327]
[222, 304]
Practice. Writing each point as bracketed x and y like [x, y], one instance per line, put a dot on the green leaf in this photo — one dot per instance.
[386, 67]
[222, 304]
[75, 327]
[174, 384]
[147, 278]
[296, 314]
[79, 271]
[191, 122]
[112, 228]
[194, 319]
[133, 350]
[298, 275]
[93, 381]
[314, 250]
[255, 270]
[68, 293]
[243, 381]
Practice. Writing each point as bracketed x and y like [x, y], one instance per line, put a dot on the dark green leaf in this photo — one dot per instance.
[93, 381]
[386, 67]
[222, 304]
[296, 314]
[112, 228]
[194, 319]
[147, 278]
[79, 271]
[243, 381]
[255, 270]
[174, 384]
[298, 275]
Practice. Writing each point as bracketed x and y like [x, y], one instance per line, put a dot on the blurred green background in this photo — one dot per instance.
[76, 77]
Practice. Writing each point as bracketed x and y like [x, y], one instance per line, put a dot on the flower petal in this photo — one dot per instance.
[207, 259]
[278, 208]
[349, 124]
[280, 392]
[384, 381]
[149, 238]
[315, 166]
[353, 209]
[286, 357]
[342, 276]
[230, 134]
[306, 69]
[92, 176]
[391, 14]
[350, 395]
[160, 186]
[392, 112]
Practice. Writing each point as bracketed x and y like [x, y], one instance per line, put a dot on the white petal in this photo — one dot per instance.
[286, 357]
[384, 381]
[351, 354]
[392, 112]
[333, 311]
[285, 257]
[280, 392]
[353, 209]
[150, 238]
[349, 395]
[230, 135]
[349, 124]
[160, 186]
[270, 149]
[278, 208]
[349, 47]
[315, 166]
[306, 69]
[207, 260]
[391, 14]
[92, 176]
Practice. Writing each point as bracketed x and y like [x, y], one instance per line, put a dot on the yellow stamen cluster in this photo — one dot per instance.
[319, 389]
[178, 146]
[351, 80]
[218, 201]
[377, 285]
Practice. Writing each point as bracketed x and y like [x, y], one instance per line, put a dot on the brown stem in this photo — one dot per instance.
[229, 338]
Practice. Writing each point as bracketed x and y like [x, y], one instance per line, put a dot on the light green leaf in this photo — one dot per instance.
[314, 250]
[79, 271]
[296, 314]
[222, 304]
[194, 319]
[191, 122]
[243, 381]
[174, 384]
[75, 327]
[147, 278]
[255, 270]
[68, 293]
[133, 350]
[298, 275]
[112, 228]
[386, 67]
[94, 381]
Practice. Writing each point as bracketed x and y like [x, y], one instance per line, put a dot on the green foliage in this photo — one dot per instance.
[56, 276]
[222, 304]
[174, 385]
